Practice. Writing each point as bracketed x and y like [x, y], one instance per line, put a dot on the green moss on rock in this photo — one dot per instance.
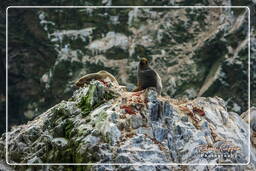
[69, 125]
[95, 96]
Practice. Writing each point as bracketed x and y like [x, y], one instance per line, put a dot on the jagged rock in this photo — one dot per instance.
[160, 133]
[35, 160]
[159, 130]
[60, 143]
[136, 121]
[154, 105]
[195, 51]
[167, 109]
[111, 132]
[167, 38]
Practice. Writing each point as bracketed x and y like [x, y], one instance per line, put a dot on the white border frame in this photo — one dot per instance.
[136, 163]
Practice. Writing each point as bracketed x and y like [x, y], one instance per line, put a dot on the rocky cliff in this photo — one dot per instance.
[104, 123]
[196, 51]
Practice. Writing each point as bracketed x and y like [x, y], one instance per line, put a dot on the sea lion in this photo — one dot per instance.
[101, 75]
[147, 77]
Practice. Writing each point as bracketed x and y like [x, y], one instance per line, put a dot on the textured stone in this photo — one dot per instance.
[136, 121]
[158, 132]
[60, 143]
[167, 109]
[217, 38]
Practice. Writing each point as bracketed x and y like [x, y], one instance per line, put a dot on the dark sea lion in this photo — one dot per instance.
[147, 77]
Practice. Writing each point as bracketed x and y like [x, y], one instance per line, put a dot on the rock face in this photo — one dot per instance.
[199, 51]
[104, 123]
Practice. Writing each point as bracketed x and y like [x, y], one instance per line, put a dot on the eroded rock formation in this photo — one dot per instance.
[104, 123]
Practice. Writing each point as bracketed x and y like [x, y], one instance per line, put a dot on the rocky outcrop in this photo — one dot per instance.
[104, 123]
[203, 52]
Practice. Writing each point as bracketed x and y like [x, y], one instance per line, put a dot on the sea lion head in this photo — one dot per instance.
[143, 63]
[102, 72]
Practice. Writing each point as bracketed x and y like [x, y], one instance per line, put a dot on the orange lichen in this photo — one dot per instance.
[191, 114]
[130, 135]
[160, 145]
[128, 109]
[198, 111]
[137, 93]
[106, 84]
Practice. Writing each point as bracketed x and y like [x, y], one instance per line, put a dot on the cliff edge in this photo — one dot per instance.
[104, 123]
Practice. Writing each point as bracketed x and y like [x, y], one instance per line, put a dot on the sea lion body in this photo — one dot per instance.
[147, 77]
[101, 75]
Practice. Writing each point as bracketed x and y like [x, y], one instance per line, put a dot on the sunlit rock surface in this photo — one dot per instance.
[104, 123]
